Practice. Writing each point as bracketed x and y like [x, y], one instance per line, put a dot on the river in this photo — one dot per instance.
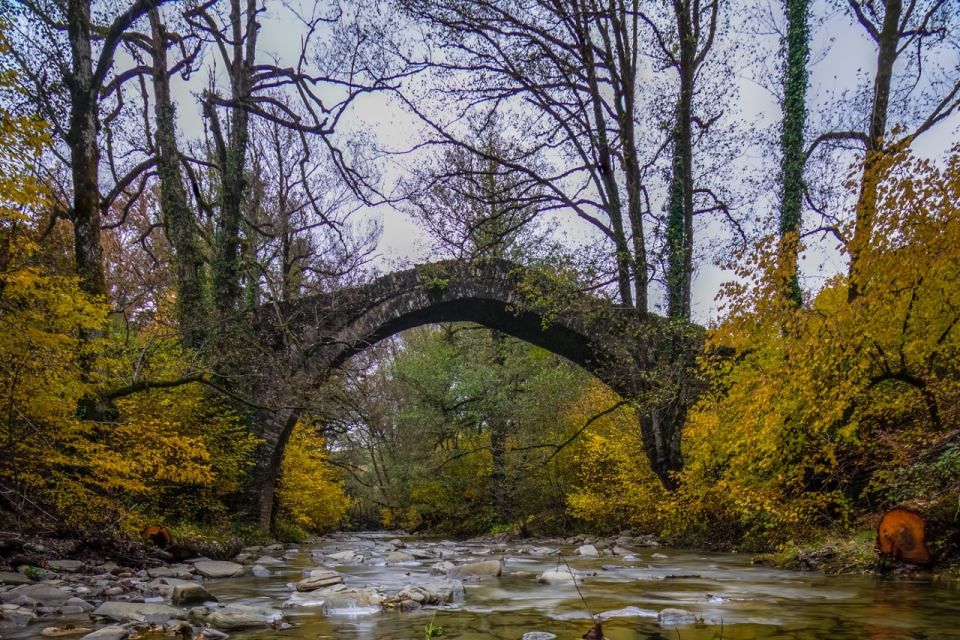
[730, 598]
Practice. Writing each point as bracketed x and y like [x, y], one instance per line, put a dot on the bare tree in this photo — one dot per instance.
[567, 75]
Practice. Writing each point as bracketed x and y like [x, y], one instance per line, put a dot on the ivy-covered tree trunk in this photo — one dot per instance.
[179, 221]
[791, 142]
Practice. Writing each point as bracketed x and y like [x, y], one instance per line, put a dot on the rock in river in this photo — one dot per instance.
[484, 568]
[191, 593]
[235, 616]
[588, 551]
[318, 579]
[137, 612]
[218, 568]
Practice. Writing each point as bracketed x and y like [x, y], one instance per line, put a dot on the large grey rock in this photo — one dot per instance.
[588, 551]
[179, 571]
[433, 592]
[19, 617]
[191, 593]
[218, 568]
[137, 612]
[45, 594]
[113, 632]
[344, 556]
[319, 579]
[68, 566]
[11, 577]
[268, 561]
[342, 596]
[234, 617]
[260, 571]
[538, 635]
[483, 568]
[398, 556]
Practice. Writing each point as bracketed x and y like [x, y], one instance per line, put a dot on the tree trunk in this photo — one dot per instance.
[178, 219]
[680, 212]
[867, 200]
[227, 287]
[85, 152]
[791, 144]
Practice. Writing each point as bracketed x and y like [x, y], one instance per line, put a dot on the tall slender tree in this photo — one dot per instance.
[795, 82]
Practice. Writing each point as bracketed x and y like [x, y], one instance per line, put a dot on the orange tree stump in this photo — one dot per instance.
[902, 536]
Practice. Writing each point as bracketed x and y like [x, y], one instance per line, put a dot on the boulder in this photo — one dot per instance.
[10, 577]
[68, 566]
[588, 551]
[434, 592]
[344, 556]
[342, 596]
[538, 635]
[234, 617]
[45, 594]
[137, 612]
[319, 579]
[397, 543]
[268, 561]
[19, 617]
[218, 568]
[190, 593]
[398, 556]
[260, 571]
[483, 568]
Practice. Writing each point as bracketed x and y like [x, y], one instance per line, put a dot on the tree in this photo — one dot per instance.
[566, 73]
[795, 81]
[72, 105]
[902, 104]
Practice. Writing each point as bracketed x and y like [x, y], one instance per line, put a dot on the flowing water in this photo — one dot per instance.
[728, 597]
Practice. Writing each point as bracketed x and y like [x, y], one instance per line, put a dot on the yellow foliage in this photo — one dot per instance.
[311, 494]
[817, 396]
[616, 487]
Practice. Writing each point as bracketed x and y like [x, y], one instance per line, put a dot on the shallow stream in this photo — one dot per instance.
[730, 598]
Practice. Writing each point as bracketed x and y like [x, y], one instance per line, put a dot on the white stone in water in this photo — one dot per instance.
[558, 576]
[268, 560]
[675, 617]
[538, 635]
[588, 551]
[260, 571]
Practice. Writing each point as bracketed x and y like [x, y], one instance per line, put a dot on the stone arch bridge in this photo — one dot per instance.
[642, 357]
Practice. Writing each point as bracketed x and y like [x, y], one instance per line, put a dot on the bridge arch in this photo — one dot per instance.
[314, 335]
